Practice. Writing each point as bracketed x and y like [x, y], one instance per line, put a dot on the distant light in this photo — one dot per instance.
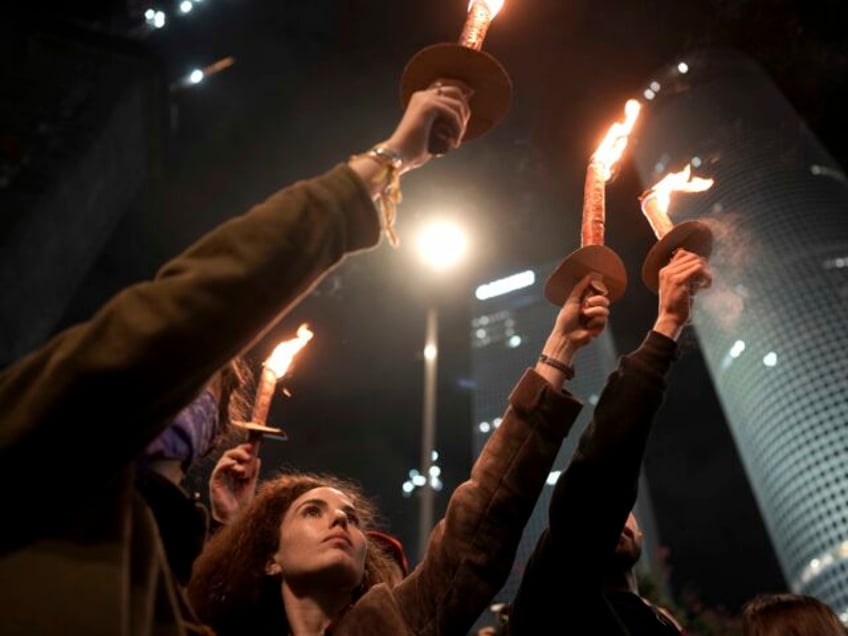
[514, 342]
[434, 456]
[737, 349]
[196, 76]
[430, 352]
[683, 67]
[655, 86]
[159, 19]
[186, 6]
[505, 285]
[696, 162]
[497, 421]
[593, 399]
[149, 15]
[484, 427]
[435, 483]
[770, 359]
[649, 94]
[419, 480]
[413, 472]
[552, 477]
[435, 471]
[442, 245]
[408, 487]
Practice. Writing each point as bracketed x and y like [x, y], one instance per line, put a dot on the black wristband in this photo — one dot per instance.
[559, 365]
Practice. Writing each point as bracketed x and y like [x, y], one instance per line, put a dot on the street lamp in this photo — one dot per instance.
[440, 246]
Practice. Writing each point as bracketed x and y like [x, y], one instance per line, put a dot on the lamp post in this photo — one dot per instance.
[440, 246]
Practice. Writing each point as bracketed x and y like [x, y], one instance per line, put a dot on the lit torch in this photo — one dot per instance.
[594, 257]
[480, 16]
[600, 171]
[464, 63]
[693, 236]
[273, 369]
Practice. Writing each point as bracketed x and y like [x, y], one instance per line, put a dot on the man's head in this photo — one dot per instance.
[629, 547]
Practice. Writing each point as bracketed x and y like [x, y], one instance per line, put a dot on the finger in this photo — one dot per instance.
[580, 288]
[450, 118]
[596, 300]
[593, 313]
[693, 271]
[240, 453]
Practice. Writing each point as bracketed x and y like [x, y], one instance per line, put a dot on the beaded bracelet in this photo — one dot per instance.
[567, 369]
[390, 195]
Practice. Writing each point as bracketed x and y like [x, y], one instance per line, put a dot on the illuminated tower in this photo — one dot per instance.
[511, 320]
[773, 329]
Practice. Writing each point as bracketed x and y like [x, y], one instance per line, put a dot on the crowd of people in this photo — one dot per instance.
[111, 542]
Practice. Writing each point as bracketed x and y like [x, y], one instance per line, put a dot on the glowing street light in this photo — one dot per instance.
[440, 246]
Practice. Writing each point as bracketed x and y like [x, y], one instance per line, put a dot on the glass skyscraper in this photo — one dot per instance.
[773, 328]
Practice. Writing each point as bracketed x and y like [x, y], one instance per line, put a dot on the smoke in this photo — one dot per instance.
[734, 253]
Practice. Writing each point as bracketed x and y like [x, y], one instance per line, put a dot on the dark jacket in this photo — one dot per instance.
[562, 581]
[86, 557]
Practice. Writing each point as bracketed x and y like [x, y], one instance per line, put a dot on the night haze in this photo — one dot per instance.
[313, 82]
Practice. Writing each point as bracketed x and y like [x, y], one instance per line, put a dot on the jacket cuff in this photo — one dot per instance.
[534, 395]
[656, 353]
[361, 216]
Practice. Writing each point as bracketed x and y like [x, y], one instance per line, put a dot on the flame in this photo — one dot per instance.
[494, 6]
[613, 145]
[678, 182]
[283, 355]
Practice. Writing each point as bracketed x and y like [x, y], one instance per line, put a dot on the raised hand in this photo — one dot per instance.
[583, 317]
[444, 106]
[685, 275]
[232, 484]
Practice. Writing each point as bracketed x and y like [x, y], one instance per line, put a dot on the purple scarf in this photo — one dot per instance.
[191, 434]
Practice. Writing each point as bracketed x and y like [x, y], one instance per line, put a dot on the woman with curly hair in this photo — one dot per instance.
[325, 519]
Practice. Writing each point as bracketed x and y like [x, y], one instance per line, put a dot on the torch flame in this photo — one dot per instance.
[613, 145]
[283, 355]
[678, 182]
[494, 6]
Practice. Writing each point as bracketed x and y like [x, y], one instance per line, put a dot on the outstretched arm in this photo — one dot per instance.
[120, 377]
[471, 551]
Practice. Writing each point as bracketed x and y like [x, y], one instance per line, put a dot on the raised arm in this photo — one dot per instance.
[471, 551]
[119, 378]
[594, 495]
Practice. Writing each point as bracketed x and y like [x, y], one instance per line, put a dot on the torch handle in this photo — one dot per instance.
[439, 142]
[596, 286]
[254, 438]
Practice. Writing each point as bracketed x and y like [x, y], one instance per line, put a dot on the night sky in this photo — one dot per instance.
[316, 81]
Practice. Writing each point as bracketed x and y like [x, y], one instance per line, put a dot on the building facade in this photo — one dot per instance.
[772, 329]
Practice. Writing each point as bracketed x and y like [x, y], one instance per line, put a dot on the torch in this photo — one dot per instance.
[467, 63]
[273, 369]
[692, 236]
[594, 257]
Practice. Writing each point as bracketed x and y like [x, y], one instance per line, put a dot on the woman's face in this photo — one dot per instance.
[320, 539]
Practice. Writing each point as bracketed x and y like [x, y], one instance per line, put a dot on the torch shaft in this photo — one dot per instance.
[658, 219]
[264, 393]
[476, 25]
[592, 231]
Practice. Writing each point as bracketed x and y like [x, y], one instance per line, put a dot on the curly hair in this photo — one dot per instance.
[229, 588]
[790, 614]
